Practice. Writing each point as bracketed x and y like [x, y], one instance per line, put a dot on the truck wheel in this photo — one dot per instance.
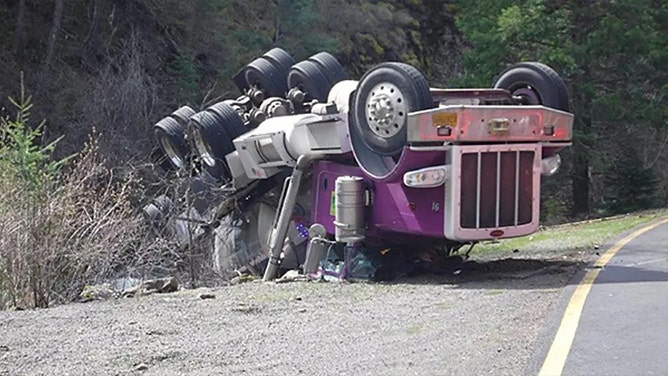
[229, 118]
[212, 143]
[266, 77]
[182, 115]
[309, 78]
[384, 97]
[536, 84]
[170, 132]
[329, 66]
[281, 60]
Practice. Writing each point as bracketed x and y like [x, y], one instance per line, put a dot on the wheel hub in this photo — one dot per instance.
[528, 94]
[385, 110]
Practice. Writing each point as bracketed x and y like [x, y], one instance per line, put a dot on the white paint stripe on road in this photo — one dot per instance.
[561, 346]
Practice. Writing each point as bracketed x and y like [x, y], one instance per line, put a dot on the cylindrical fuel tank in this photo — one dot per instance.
[349, 203]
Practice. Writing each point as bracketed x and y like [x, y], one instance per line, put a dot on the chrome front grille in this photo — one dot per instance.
[496, 189]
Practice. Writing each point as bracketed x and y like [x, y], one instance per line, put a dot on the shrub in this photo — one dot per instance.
[57, 230]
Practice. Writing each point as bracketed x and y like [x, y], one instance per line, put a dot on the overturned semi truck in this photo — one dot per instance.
[383, 160]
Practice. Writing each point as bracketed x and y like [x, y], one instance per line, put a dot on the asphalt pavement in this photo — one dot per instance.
[623, 322]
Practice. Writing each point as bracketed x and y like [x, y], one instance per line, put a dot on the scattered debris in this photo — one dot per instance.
[117, 289]
[292, 276]
[246, 308]
[97, 292]
[160, 286]
[141, 367]
[330, 271]
[241, 278]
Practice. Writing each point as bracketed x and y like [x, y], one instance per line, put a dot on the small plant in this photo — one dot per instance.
[60, 226]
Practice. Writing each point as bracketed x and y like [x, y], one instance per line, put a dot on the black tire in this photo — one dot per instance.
[170, 135]
[329, 66]
[414, 95]
[266, 77]
[537, 83]
[307, 76]
[208, 130]
[229, 118]
[182, 115]
[281, 59]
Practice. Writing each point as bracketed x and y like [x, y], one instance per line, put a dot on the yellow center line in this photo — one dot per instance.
[561, 346]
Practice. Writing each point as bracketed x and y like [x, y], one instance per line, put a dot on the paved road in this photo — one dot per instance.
[623, 327]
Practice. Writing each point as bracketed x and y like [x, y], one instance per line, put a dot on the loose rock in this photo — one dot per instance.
[141, 367]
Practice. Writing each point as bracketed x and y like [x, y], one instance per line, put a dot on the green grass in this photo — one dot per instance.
[414, 329]
[578, 235]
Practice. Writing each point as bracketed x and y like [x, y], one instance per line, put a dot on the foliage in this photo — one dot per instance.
[56, 232]
[611, 56]
[295, 23]
[633, 185]
[183, 71]
[21, 155]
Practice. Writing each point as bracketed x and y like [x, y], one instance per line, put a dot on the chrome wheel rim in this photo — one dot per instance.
[386, 110]
[171, 152]
[203, 149]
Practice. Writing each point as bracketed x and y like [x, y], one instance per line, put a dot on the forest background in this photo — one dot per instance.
[118, 66]
[83, 81]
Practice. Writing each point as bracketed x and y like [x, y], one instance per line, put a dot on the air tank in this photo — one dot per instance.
[349, 203]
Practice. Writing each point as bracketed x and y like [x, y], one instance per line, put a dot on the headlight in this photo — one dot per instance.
[427, 177]
[550, 165]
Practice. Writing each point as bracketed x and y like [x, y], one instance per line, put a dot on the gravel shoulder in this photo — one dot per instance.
[485, 320]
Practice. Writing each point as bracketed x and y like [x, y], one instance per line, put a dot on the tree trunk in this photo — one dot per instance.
[53, 37]
[580, 171]
[19, 32]
[582, 141]
[92, 37]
